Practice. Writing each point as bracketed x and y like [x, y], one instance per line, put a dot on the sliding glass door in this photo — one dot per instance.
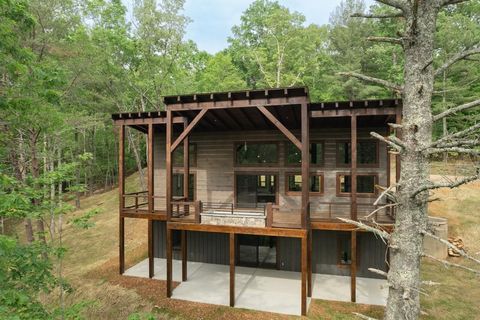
[254, 190]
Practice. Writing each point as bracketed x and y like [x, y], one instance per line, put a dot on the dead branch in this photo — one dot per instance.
[457, 57]
[390, 143]
[381, 82]
[451, 264]
[384, 193]
[456, 109]
[456, 135]
[380, 208]
[453, 149]
[450, 185]
[459, 143]
[398, 41]
[362, 316]
[395, 125]
[377, 16]
[380, 272]
[383, 234]
[430, 283]
[449, 2]
[451, 246]
[399, 4]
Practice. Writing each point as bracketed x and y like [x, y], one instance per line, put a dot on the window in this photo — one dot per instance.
[256, 153]
[294, 183]
[293, 155]
[177, 156]
[367, 153]
[252, 190]
[365, 183]
[177, 186]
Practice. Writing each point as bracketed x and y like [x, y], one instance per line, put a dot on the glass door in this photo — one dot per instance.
[254, 190]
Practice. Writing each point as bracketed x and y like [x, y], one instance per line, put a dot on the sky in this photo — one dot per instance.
[214, 19]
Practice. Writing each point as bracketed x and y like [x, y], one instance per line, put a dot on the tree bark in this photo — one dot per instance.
[411, 217]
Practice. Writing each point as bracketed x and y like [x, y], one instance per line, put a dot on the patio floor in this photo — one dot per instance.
[259, 289]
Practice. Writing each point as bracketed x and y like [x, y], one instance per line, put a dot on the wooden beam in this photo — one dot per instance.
[186, 165]
[151, 267]
[353, 268]
[304, 276]
[305, 148]
[168, 164]
[150, 168]
[353, 168]
[342, 226]
[280, 126]
[348, 112]
[232, 269]
[121, 192]
[146, 121]
[184, 254]
[309, 263]
[189, 128]
[169, 263]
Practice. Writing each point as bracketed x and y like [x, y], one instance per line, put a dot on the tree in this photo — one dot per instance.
[411, 194]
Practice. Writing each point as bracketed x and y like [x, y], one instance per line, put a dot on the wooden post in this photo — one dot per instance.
[150, 249]
[186, 167]
[305, 163]
[398, 120]
[198, 211]
[304, 275]
[168, 165]
[353, 169]
[269, 217]
[121, 192]
[184, 255]
[232, 269]
[169, 261]
[309, 262]
[353, 267]
[389, 160]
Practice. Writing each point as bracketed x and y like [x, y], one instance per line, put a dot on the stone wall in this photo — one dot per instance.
[243, 220]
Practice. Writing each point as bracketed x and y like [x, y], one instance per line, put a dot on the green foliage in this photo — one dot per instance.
[84, 221]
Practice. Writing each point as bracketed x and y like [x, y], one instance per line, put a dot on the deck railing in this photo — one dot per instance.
[182, 209]
[133, 200]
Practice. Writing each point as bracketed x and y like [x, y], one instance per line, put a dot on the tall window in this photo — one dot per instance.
[177, 156]
[294, 183]
[293, 155]
[177, 186]
[365, 183]
[367, 153]
[256, 153]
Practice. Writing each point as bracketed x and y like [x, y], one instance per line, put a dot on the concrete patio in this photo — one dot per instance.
[259, 289]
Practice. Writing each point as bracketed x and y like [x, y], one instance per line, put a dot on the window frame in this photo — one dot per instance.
[359, 165]
[359, 194]
[177, 171]
[272, 164]
[285, 153]
[299, 193]
[192, 160]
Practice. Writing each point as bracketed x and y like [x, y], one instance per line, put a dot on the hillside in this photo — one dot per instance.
[91, 267]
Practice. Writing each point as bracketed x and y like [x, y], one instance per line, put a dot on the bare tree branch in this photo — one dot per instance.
[450, 185]
[381, 82]
[399, 4]
[453, 149]
[362, 316]
[383, 234]
[377, 16]
[380, 272]
[395, 145]
[395, 125]
[449, 2]
[456, 135]
[459, 143]
[451, 264]
[451, 246]
[456, 109]
[457, 57]
[386, 39]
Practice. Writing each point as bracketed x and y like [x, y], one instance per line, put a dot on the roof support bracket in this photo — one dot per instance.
[189, 128]
[280, 126]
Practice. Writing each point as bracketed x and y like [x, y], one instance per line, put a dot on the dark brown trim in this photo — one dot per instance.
[359, 165]
[347, 194]
[273, 164]
[184, 254]
[295, 165]
[299, 193]
[273, 119]
[353, 267]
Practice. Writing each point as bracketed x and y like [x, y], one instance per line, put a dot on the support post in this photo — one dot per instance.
[232, 269]
[121, 191]
[309, 262]
[389, 160]
[184, 255]
[353, 168]
[305, 163]
[168, 165]
[304, 275]
[169, 262]
[150, 249]
[353, 267]
[186, 167]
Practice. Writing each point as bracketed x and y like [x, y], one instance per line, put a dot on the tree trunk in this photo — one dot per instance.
[77, 175]
[412, 216]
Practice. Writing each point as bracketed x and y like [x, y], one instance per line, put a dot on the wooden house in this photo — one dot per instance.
[233, 173]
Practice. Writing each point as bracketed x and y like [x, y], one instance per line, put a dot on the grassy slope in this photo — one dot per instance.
[91, 266]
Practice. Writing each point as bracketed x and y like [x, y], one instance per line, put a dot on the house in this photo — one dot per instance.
[261, 178]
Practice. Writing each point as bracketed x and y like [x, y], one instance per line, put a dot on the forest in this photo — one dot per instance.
[67, 65]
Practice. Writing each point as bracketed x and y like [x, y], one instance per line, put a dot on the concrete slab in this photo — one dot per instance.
[259, 289]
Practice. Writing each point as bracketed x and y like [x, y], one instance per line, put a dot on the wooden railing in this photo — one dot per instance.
[137, 197]
[182, 209]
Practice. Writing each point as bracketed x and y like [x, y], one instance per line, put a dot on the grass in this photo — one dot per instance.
[91, 266]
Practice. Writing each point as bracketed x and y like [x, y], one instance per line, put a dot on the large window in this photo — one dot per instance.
[367, 153]
[256, 153]
[254, 190]
[177, 156]
[177, 186]
[293, 155]
[293, 183]
[365, 183]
